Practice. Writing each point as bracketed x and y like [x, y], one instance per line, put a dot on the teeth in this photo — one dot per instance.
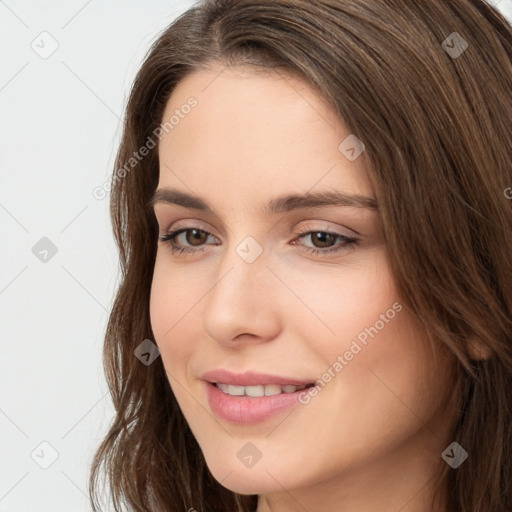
[223, 387]
[259, 390]
[272, 389]
[255, 390]
[236, 390]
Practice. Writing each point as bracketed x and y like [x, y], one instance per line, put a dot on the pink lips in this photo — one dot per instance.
[244, 409]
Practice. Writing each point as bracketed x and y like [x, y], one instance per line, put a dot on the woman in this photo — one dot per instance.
[310, 201]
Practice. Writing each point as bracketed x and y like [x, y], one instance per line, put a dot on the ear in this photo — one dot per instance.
[478, 351]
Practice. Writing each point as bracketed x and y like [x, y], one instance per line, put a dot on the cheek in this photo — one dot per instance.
[170, 308]
[384, 353]
[346, 300]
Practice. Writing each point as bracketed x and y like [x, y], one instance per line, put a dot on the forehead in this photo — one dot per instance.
[257, 131]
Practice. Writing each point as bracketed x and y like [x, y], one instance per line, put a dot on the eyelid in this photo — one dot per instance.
[342, 230]
[189, 224]
[198, 224]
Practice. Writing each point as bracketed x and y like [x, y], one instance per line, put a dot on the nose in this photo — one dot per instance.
[243, 304]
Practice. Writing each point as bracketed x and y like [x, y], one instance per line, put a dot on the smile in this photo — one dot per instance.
[244, 405]
[259, 390]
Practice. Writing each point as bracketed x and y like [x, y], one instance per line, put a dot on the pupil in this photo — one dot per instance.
[197, 236]
[319, 237]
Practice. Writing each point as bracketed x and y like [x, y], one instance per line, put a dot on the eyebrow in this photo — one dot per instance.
[277, 205]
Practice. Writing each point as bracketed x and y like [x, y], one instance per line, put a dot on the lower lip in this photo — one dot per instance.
[245, 409]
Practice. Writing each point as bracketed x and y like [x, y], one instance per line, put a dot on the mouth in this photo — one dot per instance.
[259, 390]
[251, 398]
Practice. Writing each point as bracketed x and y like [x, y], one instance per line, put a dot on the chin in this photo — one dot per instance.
[255, 480]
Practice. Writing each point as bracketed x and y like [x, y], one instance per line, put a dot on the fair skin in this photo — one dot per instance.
[372, 438]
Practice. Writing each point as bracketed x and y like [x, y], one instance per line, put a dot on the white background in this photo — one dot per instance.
[59, 130]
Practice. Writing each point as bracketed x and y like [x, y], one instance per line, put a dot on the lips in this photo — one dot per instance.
[251, 397]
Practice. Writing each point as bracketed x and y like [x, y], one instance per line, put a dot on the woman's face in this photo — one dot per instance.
[270, 292]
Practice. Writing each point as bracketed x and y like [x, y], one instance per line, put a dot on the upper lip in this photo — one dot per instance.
[250, 378]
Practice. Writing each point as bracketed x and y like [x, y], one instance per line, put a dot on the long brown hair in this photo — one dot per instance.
[435, 117]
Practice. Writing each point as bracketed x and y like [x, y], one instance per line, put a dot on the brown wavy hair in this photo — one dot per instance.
[437, 132]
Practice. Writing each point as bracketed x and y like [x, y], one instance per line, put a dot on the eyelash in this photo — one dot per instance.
[168, 239]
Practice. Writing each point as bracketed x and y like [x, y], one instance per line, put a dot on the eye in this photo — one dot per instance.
[196, 237]
[325, 238]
